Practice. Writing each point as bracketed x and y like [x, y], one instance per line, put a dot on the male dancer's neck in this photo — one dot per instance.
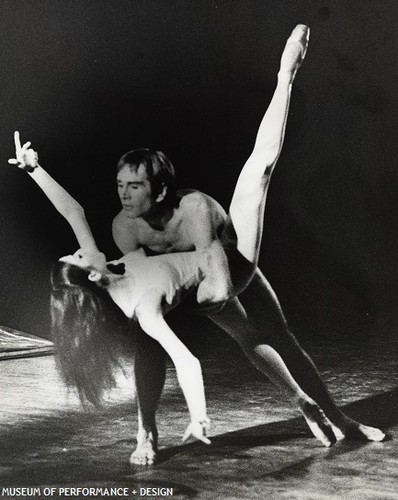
[159, 216]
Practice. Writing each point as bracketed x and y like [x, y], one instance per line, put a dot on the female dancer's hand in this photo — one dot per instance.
[26, 158]
[198, 430]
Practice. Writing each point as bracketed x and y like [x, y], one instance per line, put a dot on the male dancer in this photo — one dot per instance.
[159, 219]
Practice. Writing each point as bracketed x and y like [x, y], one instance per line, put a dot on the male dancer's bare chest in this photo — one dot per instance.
[174, 237]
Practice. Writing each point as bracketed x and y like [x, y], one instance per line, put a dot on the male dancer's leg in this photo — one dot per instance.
[150, 373]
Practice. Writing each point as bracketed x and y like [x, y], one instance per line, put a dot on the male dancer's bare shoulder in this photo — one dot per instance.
[195, 203]
[195, 222]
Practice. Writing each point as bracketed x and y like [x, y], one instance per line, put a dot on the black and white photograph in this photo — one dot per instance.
[199, 249]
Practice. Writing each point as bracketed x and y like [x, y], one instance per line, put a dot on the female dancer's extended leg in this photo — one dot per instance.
[234, 320]
[249, 198]
[268, 333]
[273, 329]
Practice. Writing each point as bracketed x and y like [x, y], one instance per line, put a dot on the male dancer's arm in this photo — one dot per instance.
[202, 217]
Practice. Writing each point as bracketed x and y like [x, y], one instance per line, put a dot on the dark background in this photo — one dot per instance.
[86, 81]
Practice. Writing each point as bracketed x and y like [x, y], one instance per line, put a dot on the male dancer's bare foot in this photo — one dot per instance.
[318, 423]
[145, 452]
[295, 50]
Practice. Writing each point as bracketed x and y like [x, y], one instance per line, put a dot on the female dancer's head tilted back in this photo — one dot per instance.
[85, 325]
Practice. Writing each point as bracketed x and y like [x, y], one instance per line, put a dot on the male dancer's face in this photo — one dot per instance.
[134, 191]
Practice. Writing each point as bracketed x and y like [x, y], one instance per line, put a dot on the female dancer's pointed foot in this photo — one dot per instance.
[318, 423]
[295, 50]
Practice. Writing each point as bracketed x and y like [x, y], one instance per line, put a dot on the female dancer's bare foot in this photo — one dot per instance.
[354, 431]
[295, 50]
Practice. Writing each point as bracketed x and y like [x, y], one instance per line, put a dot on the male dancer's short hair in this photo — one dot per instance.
[159, 170]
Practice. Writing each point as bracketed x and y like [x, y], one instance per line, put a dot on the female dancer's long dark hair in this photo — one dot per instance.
[86, 331]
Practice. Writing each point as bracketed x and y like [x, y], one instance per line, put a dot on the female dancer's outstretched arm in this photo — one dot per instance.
[67, 206]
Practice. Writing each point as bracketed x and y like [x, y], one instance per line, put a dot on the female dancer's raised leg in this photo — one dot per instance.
[249, 198]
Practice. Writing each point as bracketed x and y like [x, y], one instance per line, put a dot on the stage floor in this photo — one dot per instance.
[260, 448]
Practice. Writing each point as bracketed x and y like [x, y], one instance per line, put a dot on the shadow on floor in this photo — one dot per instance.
[76, 447]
